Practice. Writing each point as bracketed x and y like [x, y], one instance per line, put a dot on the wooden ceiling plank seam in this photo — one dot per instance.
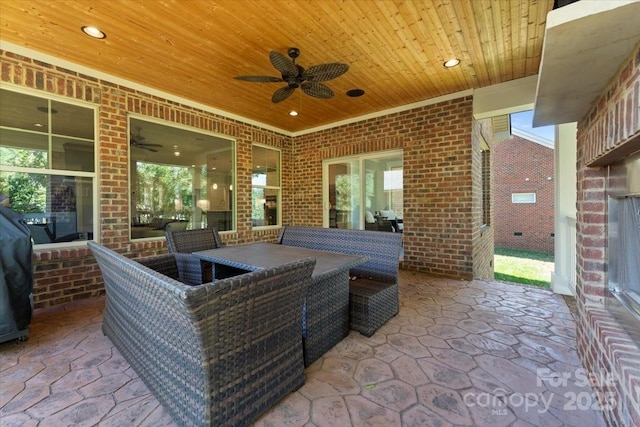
[363, 46]
[503, 30]
[535, 32]
[453, 41]
[398, 52]
[444, 15]
[412, 20]
[519, 14]
[193, 49]
[455, 11]
[398, 91]
[484, 23]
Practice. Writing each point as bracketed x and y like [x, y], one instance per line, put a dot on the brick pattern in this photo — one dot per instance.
[438, 196]
[608, 132]
[442, 209]
[522, 166]
[483, 234]
[612, 358]
[64, 275]
[614, 121]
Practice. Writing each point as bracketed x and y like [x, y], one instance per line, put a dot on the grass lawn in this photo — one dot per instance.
[522, 266]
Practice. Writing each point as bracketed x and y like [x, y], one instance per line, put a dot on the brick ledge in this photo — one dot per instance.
[623, 355]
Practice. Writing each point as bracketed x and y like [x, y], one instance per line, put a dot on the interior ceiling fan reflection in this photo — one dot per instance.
[137, 140]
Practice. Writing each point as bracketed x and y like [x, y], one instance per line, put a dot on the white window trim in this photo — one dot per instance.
[518, 198]
[360, 158]
[269, 187]
[96, 159]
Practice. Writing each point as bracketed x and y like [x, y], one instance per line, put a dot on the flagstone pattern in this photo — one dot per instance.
[459, 353]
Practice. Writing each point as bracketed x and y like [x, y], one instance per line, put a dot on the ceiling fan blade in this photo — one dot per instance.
[259, 79]
[282, 94]
[145, 147]
[317, 90]
[283, 64]
[324, 72]
[145, 144]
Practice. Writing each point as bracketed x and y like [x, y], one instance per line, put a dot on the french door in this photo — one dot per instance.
[356, 189]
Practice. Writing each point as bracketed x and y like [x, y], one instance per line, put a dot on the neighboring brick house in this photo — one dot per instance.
[523, 195]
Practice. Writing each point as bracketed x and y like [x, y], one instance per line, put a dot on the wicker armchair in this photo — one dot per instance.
[192, 270]
[215, 354]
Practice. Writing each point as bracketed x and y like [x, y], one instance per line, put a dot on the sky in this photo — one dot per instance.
[524, 122]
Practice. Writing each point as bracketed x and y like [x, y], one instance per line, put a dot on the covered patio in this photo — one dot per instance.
[456, 339]
[468, 353]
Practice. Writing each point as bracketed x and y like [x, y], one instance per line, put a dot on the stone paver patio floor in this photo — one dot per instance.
[458, 354]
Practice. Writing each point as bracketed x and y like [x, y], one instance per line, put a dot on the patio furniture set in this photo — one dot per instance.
[215, 331]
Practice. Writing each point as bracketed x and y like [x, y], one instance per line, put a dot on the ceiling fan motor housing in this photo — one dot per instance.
[293, 52]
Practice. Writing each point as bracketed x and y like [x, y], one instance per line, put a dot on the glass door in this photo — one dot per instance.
[343, 195]
[364, 192]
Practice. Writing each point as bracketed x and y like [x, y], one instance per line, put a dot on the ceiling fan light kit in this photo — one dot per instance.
[295, 76]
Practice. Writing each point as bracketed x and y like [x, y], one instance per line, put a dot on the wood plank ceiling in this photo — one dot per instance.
[193, 49]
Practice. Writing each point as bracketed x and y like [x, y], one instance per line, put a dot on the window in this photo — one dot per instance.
[486, 187]
[47, 165]
[523, 197]
[364, 192]
[182, 179]
[265, 187]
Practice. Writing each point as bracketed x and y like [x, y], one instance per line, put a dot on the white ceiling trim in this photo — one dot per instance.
[505, 98]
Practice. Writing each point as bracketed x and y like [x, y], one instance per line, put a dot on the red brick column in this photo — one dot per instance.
[608, 132]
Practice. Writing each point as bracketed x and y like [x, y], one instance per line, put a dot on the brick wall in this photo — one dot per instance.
[440, 206]
[607, 133]
[67, 274]
[483, 234]
[438, 192]
[522, 166]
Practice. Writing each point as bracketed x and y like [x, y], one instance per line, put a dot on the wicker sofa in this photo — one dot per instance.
[218, 353]
[373, 292]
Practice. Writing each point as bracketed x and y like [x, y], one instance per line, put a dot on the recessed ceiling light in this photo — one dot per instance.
[293, 113]
[452, 63]
[354, 93]
[38, 125]
[93, 32]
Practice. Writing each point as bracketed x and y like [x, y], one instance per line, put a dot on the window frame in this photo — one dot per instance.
[49, 171]
[277, 188]
[485, 178]
[361, 161]
[232, 201]
[515, 195]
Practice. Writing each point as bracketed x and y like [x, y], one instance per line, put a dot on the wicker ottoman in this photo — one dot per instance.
[371, 304]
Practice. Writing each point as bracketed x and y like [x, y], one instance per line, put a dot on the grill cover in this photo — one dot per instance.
[16, 275]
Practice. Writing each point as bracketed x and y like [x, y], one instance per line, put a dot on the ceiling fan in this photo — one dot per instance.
[137, 140]
[295, 76]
